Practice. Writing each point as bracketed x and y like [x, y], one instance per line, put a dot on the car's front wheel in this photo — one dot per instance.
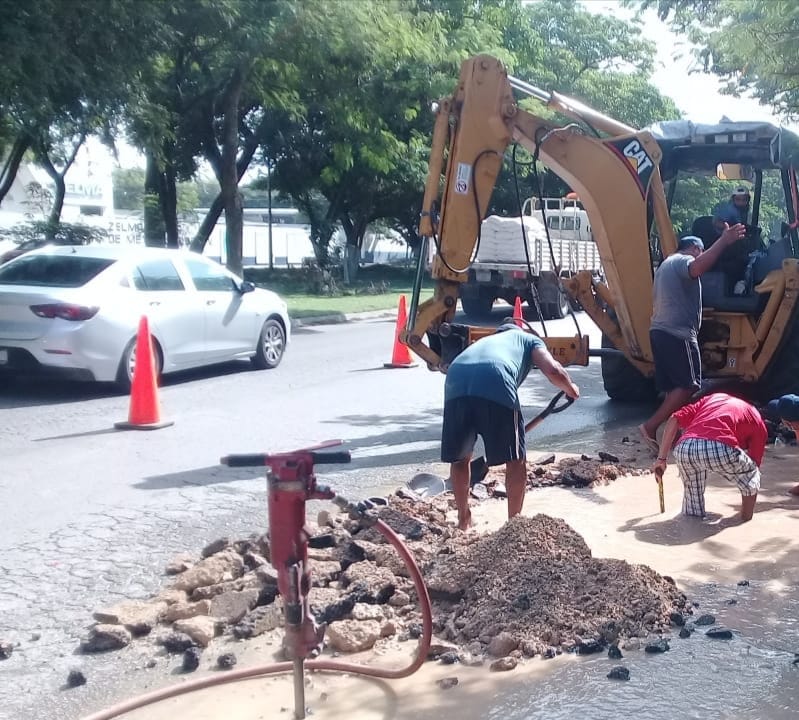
[271, 345]
[128, 362]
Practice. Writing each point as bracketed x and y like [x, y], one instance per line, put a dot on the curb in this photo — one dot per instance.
[340, 318]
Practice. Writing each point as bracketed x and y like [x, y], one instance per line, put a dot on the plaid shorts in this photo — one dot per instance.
[695, 458]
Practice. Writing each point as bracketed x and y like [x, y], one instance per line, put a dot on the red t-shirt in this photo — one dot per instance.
[727, 420]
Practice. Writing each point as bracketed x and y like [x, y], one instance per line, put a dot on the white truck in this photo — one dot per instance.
[500, 269]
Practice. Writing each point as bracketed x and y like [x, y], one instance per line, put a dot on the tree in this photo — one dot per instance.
[749, 44]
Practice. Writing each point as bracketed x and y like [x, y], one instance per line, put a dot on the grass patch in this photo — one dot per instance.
[308, 294]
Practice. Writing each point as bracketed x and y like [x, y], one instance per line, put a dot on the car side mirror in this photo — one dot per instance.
[245, 286]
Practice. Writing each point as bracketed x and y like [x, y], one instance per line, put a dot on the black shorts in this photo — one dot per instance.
[501, 428]
[677, 362]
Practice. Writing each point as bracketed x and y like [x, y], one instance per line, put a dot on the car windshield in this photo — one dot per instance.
[69, 271]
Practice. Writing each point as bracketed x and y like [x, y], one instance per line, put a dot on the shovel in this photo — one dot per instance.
[478, 468]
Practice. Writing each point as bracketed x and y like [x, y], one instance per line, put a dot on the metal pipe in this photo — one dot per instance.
[417, 284]
[528, 89]
[299, 688]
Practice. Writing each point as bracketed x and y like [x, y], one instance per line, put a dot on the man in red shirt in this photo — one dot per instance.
[721, 434]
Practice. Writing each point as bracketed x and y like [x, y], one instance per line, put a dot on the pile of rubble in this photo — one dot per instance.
[530, 588]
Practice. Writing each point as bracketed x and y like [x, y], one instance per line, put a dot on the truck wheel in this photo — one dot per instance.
[478, 305]
[556, 310]
[622, 380]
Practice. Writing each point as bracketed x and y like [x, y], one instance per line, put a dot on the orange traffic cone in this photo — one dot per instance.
[517, 311]
[401, 356]
[145, 410]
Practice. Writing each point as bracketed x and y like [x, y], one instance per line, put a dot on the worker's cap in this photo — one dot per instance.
[741, 192]
[690, 241]
[784, 408]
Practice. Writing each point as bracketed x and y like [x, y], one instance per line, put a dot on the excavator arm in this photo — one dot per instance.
[616, 177]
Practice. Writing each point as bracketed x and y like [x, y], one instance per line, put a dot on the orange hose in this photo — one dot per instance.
[258, 671]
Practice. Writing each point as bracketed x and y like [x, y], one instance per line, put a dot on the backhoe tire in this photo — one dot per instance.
[478, 306]
[622, 381]
[782, 376]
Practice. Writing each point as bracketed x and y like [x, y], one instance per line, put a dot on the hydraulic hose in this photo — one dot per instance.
[259, 671]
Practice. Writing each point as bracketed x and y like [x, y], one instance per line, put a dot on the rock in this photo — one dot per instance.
[176, 642]
[607, 457]
[226, 661]
[585, 457]
[233, 606]
[36, 636]
[743, 583]
[200, 629]
[266, 575]
[323, 571]
[677, 619]
[504, 664]
[260, 620]
[171, 596]
[685, 633]
[545, 459]
[254, 560]
[437, 649]
[225, 565]
[191, 659]
[75, 678]
[376, 583]
[362, 611]
[216, 546]
[179, 564]
[479, 492]
[550, 653]
[403, 523]
[719, 633]
[631, 644]
[183, 610]
[614, 653]
[399, 599]
[249, 581]
[657, 646]
[136, 615]
[387, 629]
[447, 683]
[105, 637]
[327, 518]
[619, 673]
[6, 648]
[448, 658]
[415, 631]
[706, 619]
[151, 663]
[499, 490]
[325, 540]
[732, 601]
[502, 645]
[353, 635]
[589, 647]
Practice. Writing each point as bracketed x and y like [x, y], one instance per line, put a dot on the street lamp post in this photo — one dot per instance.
[269, 211]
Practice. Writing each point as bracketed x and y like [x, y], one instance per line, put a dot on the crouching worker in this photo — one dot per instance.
[481, 398]
[720, 434]
[786, 409]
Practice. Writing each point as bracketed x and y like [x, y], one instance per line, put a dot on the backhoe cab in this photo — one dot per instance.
[618, 174]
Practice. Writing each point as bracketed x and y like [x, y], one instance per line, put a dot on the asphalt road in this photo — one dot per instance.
[91, 515]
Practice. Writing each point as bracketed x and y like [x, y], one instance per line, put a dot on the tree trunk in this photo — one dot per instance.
[207, 225]
[169, 206]
[154, 226]
[12, 163]
[229, 180]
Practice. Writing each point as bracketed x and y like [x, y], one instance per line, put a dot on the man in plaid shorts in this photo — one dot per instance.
[721, 434]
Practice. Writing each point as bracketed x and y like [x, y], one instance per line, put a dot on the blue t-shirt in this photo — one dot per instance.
[730, 213]
[493, 367]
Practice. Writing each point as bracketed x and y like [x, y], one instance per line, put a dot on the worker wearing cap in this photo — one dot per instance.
[676, 317]
[786, 409]
[733, 211]
[481, 398]
[718, 433]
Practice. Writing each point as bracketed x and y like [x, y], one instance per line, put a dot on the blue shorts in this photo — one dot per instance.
[677, 362]
[501, 427]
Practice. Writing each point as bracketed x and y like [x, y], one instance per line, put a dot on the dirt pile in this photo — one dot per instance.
[536, 580]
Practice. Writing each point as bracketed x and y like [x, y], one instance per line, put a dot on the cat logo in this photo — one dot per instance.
[637, 157]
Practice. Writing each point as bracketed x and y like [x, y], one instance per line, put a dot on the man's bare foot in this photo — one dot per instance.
[465, 522]
[748, 507]
[794, 490]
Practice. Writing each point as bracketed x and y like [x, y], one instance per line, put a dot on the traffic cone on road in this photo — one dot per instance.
[145, 410]
[401, 356]
[517, 311]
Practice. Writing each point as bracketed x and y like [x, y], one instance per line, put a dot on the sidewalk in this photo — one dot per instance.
[338, 318]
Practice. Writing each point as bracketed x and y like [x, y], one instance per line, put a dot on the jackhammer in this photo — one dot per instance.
[291, 482]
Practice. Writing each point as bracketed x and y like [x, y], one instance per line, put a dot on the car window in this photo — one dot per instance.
[157, 275]
[208, 277]
[69, 271]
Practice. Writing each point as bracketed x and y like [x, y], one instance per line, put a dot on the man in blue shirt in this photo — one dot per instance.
[481, 398]
[733, 211]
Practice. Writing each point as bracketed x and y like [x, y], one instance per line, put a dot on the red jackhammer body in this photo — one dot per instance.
[291, 482]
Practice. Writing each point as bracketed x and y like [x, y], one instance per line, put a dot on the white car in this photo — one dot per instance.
[75, 311]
